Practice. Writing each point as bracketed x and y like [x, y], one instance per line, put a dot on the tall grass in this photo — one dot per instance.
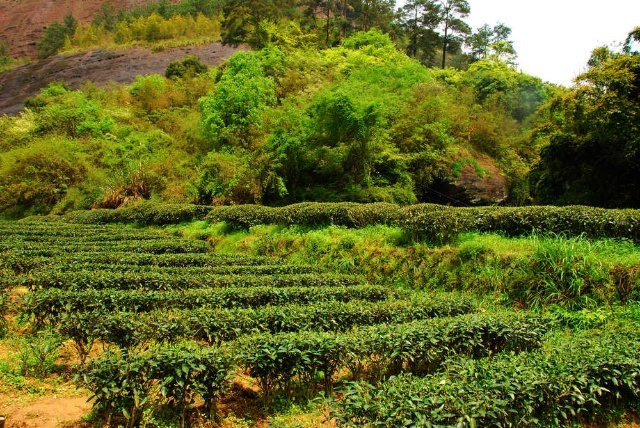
[564, 271]
[533, 271]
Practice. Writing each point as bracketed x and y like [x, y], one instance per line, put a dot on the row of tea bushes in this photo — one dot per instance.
[437, 223]
[223, 269]
[57, 232]
[167, 245]
[24, 261]
[214, 326]
[191, 279]
[296, 360]
[144, 214]
[569, 380]
[46, 306]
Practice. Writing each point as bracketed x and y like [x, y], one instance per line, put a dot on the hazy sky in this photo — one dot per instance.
[554, 38]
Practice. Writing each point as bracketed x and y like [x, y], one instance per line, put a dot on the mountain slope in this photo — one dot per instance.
[23, 22]
[97, 66]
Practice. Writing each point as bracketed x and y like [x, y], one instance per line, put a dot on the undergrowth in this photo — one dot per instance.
[530, 271]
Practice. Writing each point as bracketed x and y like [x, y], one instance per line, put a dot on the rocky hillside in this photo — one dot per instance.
[98, 66]
[23, 22]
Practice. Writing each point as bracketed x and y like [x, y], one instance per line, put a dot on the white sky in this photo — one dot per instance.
[554, 38]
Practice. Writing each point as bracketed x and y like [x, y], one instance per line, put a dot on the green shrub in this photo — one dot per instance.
[576, 381]
[143, 214]
[33, 179]
[243, 216]
[59, 110]
[238, 101]
[312, 214]
[188, 67]
[124, 384]
[569, 221]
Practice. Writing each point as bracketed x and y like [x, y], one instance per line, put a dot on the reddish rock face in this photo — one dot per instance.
[99, 67]
[487, 188]
[23, 22]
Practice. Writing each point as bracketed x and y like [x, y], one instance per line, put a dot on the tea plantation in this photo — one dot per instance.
[167, 326]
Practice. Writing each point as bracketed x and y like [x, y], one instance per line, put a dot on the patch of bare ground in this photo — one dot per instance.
[99, 67]
[23, 22]
[53, 401]
[629, 420]
[48, 412]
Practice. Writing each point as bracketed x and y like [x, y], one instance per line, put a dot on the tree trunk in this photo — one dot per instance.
[444, 44]
[414, 36]
[327, 27]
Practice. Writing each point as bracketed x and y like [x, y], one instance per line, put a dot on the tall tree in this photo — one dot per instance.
[634, 36]
[243, 18]
[451, 14]
[55, 36]
[419, 20]
[373, 13]
[492, 42]
[106, 17]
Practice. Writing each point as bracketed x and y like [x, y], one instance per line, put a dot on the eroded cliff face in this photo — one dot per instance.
[98, 67]
[23, 22]
[476, 181]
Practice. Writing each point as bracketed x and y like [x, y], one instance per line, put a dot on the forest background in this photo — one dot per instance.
[335, 101]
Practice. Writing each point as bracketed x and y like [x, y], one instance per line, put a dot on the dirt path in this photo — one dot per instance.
[48, 412]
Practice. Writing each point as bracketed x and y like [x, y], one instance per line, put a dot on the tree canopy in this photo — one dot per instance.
[591, 137]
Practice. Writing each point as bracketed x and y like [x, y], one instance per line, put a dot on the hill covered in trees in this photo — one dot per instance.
[340, 102]
[24, 22]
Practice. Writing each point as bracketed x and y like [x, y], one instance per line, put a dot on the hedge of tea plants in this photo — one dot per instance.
[179, 322]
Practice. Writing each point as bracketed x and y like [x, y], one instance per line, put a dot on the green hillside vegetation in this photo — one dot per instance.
[321, 111]
[359, 122]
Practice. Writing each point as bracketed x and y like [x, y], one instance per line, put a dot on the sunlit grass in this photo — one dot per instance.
[531, 271]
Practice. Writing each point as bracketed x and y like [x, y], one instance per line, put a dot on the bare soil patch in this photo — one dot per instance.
[99, 67]
[48, 412]
[23, 22]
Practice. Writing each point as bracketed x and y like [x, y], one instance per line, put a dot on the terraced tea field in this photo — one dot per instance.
[160, 322]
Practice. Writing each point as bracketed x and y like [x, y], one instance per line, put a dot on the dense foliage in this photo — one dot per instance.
[326, 108]
[182, 327]
[551, 387]
[284, 124]
[591, 138]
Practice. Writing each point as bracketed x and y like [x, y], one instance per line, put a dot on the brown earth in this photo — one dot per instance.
[48, 412]
[23, 22]
[97, 66]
